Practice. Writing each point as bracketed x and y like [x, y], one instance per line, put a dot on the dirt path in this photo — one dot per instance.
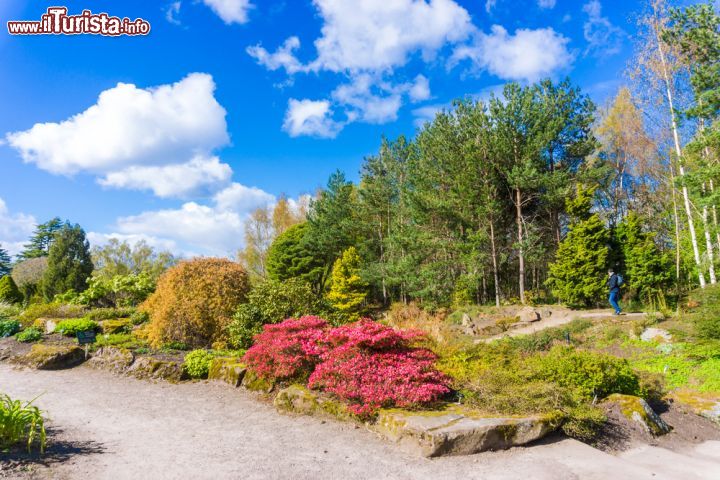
[559, 319]
[121, 428]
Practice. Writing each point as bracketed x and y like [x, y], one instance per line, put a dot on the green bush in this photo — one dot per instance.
[118, 325]
[9, 291]
[271, 302]
[584, 422]
[175, 346]
[587, 374]
[197, 363]
[9, 327]
[8, 310]
[704, 311]
[30, 334]
[72, 326]
[20, 422]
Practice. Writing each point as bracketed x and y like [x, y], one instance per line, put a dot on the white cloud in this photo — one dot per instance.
[199, 226]
[489, 5]
[129, 126]
[196, 177]
[172, 11]
[379, 35]
[604, 38]
[216, 229]
[310, 117]
[420, 90]
[546, 3]
[282, 58]
[14, 229]
[230, 11]
[527, 55]
[137, 138]
[238, 197]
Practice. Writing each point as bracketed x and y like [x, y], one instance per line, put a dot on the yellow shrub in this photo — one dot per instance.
[194, 302]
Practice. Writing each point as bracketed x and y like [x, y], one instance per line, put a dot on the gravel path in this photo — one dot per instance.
[110, 427]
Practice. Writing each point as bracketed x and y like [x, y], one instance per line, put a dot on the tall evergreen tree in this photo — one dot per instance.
[5, 262]
[9, 291]
[647, 270]
[577, 277]
[347, 291]
[290, 257]
[41, 239]
[69, 262]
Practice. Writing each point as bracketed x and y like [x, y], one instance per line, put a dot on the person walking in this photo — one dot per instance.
[613, 283]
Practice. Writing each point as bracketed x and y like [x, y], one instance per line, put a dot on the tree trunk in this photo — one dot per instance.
[677, 228]
[678, 152]
[495, 264]
[708, 242]
[521, 253]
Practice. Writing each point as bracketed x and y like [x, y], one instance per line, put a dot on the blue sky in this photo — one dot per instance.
[175, 136]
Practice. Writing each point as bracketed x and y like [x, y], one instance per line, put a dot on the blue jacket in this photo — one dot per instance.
[613, 283]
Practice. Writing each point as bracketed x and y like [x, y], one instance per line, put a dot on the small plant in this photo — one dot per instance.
[175, 346]
[109, 313]
[123, 340]
[9, 327]
[72, 326]
[138, 317]
[197, 363]
[20, 423]
[29, 335]
[50, 310]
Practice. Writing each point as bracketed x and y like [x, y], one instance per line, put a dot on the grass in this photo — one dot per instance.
[121, 340]
[21, 423]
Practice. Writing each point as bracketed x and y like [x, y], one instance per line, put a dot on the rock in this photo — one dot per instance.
[638, 410]
[50, 326]
[528, 315]
[53, 357]
[655, 334]
[227, 369]
[300, 400]
[257, 384]
[115, 359]
[466, 321]
[149, 368]
[457, 431]
[118, 325]
[704, 404]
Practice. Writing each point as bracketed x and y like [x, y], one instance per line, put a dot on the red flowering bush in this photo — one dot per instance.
[370, 365]
[287, 350]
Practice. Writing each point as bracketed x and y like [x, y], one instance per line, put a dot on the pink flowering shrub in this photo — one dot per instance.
[370, 366]
[287, 350]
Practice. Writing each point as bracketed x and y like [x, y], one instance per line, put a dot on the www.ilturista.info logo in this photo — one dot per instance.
[57, 22]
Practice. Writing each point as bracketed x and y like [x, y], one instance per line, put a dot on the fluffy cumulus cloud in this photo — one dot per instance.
[15, 228]
[140, 138]
[230, 11]
[368, 41]
[199, 176]
[603, 38]
[310, 117]
[525, 55]
[193, 228]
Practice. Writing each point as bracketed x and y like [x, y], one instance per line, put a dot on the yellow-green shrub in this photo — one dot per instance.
[194, 302]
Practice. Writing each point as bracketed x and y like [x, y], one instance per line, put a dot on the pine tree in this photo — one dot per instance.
[578, 277]
[41, 240]
[347, 289]
[5, 262]
[69, 262]
[290, 257]
[9, 291]
[647, 270]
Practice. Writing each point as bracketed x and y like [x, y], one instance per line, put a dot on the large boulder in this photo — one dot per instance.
[118, 325]
[639, 411]
[253, 382]
[53, 357]
[656, 334]
[149, 368]
[701, 403]
[456, 431]
[227, 369]
[528, 315]
[115, 359]
[297, 399]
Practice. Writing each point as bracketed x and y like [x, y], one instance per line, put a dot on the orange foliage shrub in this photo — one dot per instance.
[194, 302]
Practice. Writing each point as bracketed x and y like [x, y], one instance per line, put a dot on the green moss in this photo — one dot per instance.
[50, 357]
[255, 383]
[230, 370]
[117, 325]
[634, 408]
